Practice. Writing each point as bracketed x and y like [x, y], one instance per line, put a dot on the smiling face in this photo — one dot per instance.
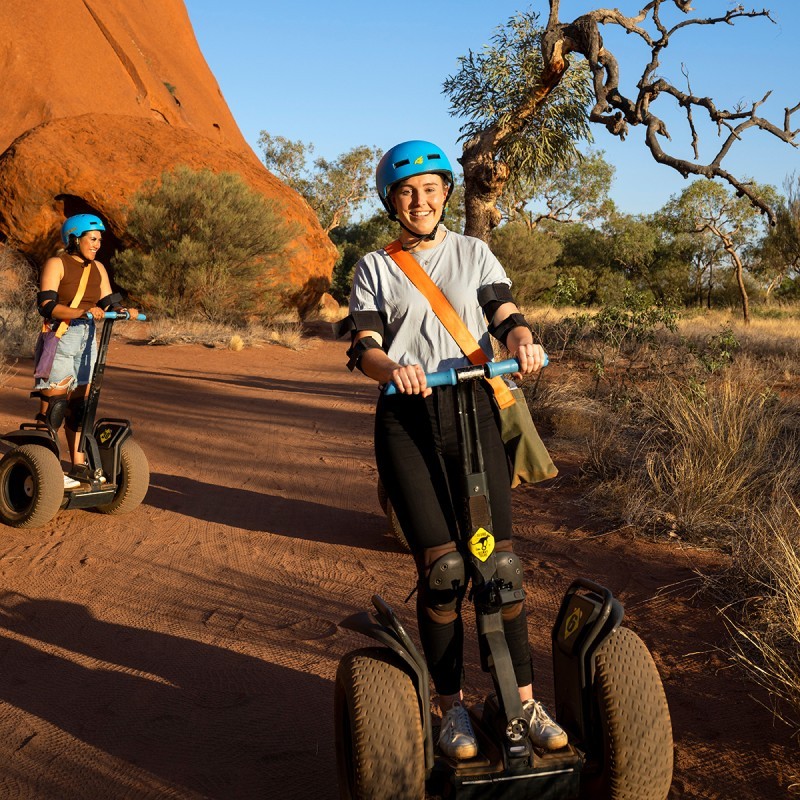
[89, 244]
[418, 202]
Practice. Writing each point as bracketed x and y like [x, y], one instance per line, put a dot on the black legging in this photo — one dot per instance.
[418, 458]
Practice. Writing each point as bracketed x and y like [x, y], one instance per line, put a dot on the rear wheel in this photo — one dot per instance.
[132, 481]
[31, 486]
[379, 746]
[636, 727]
[394, 524]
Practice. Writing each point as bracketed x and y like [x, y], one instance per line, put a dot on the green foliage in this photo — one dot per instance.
[336, 189]
[618, 337]
[204, 244]
[354, 241]
[576, 193]
[528, 257]
[491, 87]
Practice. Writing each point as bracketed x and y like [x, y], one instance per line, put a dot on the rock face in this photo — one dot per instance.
[102, 95]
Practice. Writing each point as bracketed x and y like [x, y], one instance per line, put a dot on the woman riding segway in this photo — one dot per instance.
[396, 338]
[74, 291]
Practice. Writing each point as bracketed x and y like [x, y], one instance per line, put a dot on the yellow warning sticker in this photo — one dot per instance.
[481, 545]
[572, 622]
[105, 435]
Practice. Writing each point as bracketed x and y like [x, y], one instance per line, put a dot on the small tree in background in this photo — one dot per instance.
[710, 210]
[204, 244]
[777, 257]
[334, 189]
[577, 193]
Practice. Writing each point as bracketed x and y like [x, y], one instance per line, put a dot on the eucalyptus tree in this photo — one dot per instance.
[509, 141]
[507, 92]
[578, 192]
[777, 257]
[335, 189]
[709, 210]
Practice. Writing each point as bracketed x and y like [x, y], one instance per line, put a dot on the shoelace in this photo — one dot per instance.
[460, 719]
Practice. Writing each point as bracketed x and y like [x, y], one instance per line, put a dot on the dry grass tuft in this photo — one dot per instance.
[766, 624]
[286, 333]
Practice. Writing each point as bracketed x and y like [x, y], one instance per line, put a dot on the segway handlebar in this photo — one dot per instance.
[451, 377]
[118, 315]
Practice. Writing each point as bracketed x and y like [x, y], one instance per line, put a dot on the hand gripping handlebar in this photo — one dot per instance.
[451, 377]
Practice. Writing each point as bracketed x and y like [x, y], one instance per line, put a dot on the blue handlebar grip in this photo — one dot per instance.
[445, 378]
[495, 368]
[114, 315]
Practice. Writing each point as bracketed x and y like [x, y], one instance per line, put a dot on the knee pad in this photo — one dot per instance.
[509, 569]
[55, 410]
[443, 583]
[74, 413]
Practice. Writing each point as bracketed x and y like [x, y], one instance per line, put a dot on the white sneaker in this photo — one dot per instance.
[545, 732]
[457, 739]
[70, 483]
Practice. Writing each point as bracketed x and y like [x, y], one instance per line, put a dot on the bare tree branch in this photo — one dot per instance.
[617, 112]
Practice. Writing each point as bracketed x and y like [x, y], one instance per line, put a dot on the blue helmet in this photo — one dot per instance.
[80, 224]
[407, 159]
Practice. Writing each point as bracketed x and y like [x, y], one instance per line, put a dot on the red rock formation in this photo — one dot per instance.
[102, 95]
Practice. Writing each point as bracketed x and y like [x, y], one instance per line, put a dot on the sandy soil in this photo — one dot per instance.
[188, 650]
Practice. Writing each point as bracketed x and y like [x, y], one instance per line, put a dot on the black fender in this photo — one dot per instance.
[32, 433]
[383, 626]
[589, 614]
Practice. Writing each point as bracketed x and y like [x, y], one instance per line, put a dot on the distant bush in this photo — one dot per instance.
[19, 321]
[205, 245]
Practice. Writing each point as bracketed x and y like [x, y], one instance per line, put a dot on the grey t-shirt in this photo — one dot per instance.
[460, 266]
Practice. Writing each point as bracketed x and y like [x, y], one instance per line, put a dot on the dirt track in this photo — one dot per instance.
[188, 650]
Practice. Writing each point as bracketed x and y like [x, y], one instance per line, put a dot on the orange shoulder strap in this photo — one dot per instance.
[449, 318]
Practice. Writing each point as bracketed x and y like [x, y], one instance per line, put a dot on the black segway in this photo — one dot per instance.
[114, 479]
[608, 694]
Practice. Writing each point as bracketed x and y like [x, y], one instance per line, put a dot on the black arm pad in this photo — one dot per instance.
[46, 302]
[359, 321]
[113, 301]
[356, 352]
[493, 296]
[502, 330]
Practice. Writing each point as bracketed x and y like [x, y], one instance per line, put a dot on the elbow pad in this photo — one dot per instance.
[112, 301]
[502, 329]
[493, 296]
[46, 302]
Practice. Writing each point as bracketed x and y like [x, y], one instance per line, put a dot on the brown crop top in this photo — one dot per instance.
[68, 287]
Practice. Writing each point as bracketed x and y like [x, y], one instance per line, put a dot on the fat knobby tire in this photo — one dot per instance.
[132, 481]
[31, 486]
[379, 746]
[637, 732]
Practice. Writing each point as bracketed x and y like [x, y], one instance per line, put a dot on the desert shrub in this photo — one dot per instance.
[204, 245]
[528, 257]
[19, 320]
[619, 340]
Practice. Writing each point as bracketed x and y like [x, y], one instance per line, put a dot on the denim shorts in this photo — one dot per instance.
[75, 356]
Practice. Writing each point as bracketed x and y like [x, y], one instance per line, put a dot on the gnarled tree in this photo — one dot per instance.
[487, 146]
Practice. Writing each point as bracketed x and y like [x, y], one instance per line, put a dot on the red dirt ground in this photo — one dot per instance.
[188, 650]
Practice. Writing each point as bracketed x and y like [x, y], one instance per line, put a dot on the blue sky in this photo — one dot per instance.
[370, 72]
